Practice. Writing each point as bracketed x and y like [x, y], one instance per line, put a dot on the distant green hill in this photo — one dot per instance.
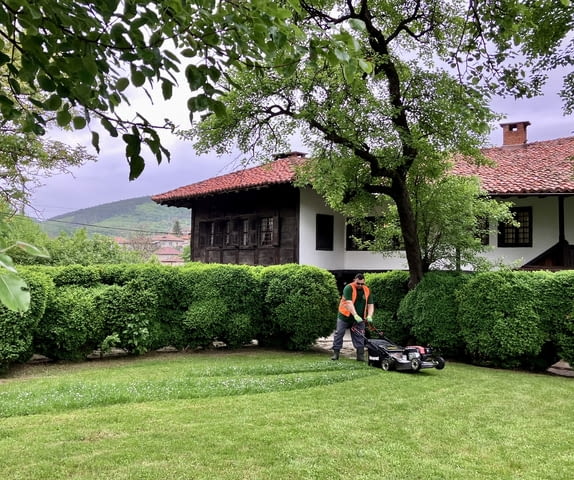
[123, 218]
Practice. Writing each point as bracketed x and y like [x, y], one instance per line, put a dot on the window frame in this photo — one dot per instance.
[324, 232]
[522, 235]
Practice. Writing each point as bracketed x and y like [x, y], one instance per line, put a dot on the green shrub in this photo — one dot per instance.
[431, 312]
[498, 319]
[16, 329]
[565, 338]
[554, 305]
[388, 290]
[204, 321]
[78, 275]
[71, 326]
[229, 294]
[300, 305]
[128, 312]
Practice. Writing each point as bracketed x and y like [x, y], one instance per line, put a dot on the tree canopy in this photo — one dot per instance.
[79, 60]
[373, 136]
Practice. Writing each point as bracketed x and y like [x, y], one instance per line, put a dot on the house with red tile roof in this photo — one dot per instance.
[257, 216]
[169, 256]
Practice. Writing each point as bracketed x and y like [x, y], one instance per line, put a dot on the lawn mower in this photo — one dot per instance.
[385, 354]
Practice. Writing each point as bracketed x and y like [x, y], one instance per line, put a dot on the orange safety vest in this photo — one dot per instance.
[343, 308]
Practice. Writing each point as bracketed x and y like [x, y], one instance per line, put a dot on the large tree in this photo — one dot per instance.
[372, 136]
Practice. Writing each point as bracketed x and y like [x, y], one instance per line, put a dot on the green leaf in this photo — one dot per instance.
[167, 89]
[122, 83]
[137, 165]
[4, 58]
[365, 66]
[15, 85]
[218, 108]
[96, 141]
[188, 52]
[63, 118]
[46, 83]
[138, 78]
[133, 147]
[32, 250]
[7, 262]
[109, 127]
[14, 292]
[342, 55]
[53, 103]
[79, 123]
[357, 24]
[195, 77]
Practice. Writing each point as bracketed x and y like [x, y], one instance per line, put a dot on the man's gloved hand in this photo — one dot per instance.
[357, 318]
[369, 319]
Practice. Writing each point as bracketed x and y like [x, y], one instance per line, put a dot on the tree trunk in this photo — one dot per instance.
[409, 230]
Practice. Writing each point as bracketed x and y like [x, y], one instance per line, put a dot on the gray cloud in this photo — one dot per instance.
[107, 179]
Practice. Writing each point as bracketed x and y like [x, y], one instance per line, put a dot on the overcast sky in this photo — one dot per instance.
[107, 179]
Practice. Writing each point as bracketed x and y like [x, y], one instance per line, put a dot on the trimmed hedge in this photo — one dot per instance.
[430, 312]
[16, 329]
[71, 326]
[499, 321]
[504, 319]
[300, 305]
[555, 307]
[388, 291]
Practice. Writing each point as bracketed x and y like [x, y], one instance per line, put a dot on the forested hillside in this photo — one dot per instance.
[123, 218]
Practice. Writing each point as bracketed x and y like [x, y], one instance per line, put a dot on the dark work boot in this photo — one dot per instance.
[335, 355]
[360, 354]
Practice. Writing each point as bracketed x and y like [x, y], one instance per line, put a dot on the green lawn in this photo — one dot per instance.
[257, 414]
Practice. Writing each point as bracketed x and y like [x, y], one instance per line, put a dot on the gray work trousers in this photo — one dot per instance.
[358, 337]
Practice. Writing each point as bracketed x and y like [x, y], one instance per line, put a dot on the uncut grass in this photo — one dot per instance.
[462, 422]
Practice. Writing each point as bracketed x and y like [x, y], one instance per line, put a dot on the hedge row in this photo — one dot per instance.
[505, 319]
[76, 310]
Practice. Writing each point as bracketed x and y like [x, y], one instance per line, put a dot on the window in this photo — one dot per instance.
[521, 236]
[211, 234]
[266, 231]
[324, 232]
[229, 233]
[244, 232]
[354, 233]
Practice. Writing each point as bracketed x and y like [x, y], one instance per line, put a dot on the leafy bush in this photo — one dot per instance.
[431, 312]
[128, 312]
[388, 290]
[555, 306]
[223, 303]
[204, 320]
[498, 319]
[16, 329]
[71, 326]
[300, 305]
[78, 275]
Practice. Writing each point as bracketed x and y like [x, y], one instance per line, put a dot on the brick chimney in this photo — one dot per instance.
[514, 134]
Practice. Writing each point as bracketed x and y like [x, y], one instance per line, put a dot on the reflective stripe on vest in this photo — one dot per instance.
[343, 308]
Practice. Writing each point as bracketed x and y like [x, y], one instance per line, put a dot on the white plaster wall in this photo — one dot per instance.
[338, 259]
[544, 233]
[312, 204]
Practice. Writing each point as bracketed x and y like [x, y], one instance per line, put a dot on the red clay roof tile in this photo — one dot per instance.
[279, 171]
[545, 167]
[533, 168]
